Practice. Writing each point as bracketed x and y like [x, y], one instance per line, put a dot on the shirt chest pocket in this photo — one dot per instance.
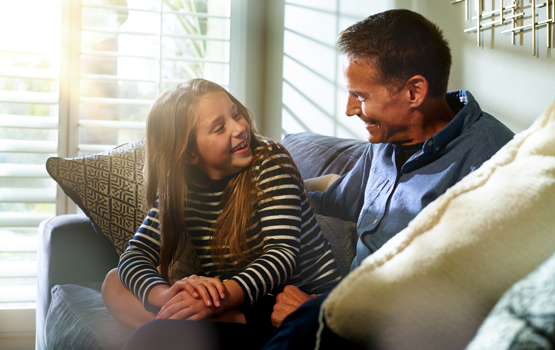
[375, 197]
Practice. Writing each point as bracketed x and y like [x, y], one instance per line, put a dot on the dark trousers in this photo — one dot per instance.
[196, 335]
[299, 329]
[204, 335]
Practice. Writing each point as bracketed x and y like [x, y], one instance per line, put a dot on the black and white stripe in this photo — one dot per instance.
[284, 229]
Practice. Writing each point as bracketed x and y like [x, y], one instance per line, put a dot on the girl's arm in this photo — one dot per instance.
[137, 265]
[137, 271]
[279, 225]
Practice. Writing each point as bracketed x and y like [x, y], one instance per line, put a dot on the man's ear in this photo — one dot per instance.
[418, 89]
[191, 158]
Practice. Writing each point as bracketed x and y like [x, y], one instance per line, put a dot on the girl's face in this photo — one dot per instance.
[222, 137]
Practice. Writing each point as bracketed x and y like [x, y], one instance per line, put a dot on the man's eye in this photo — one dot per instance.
[360, 98]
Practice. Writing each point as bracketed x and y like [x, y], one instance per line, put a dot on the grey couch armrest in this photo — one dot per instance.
[69, 252]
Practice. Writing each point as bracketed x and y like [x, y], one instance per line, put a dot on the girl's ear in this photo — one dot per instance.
[191, 158]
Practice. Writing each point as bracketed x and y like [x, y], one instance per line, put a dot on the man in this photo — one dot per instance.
[422, 141]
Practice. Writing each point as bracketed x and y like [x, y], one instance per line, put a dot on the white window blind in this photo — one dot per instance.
[78, 77]
[29, 111]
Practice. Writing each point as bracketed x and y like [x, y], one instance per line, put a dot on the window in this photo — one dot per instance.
[29, 110]
[310, 59]
[78, 77]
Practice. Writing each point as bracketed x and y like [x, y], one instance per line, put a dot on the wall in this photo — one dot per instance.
[304, 85]
[507, 80]
[247, 55]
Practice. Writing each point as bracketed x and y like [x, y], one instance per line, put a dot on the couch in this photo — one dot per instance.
[75, 253]
[474, 269]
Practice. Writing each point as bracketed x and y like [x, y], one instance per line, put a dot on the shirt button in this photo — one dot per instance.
[430, 143]
[437, 149]
[375, 222]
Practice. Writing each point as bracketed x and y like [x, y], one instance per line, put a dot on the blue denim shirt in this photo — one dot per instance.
[383, 200]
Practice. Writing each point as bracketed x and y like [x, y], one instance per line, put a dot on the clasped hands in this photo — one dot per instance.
[197, 297]
[193, 298]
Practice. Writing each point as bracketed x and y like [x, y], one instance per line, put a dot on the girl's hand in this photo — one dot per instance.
[210, 290]
[184, 306]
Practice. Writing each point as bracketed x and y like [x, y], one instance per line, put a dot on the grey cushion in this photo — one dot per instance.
[317, 155]
[524, 318]
[342, 236]
[78, 319]
[69, 252]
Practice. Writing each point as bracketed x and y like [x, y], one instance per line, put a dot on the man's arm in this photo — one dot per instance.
[345, 197]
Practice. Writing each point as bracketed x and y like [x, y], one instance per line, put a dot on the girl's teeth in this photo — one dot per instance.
[241, 145]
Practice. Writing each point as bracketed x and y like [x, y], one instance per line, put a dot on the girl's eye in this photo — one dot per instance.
[219, 128]
[237, 116]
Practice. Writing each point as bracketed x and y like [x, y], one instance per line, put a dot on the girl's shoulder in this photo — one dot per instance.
[270, 145]
[272, 152]
[273, 159]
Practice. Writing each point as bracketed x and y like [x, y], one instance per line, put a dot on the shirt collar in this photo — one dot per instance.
[468, 112]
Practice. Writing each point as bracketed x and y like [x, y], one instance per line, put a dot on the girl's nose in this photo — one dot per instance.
[240, 130]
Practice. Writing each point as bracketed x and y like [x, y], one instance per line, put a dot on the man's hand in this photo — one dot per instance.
[287, 302]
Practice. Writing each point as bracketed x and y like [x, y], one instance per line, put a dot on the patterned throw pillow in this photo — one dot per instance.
[108, 187]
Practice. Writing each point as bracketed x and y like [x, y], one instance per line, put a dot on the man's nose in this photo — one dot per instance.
[353, 106]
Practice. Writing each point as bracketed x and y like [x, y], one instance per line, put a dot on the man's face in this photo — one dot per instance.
[386, 117]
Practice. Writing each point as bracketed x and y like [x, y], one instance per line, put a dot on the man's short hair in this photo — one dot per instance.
[400, 44]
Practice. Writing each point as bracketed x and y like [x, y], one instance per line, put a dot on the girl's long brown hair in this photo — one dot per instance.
[170, 136]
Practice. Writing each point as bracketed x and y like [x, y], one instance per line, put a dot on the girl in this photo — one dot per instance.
[238, 196]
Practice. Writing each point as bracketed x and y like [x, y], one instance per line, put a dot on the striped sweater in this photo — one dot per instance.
[284, 229]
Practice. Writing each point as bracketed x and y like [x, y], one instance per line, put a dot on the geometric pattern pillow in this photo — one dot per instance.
[108, 187]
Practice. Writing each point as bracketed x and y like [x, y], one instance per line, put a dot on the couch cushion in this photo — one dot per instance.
[317, 155]
[432, 284]
[78, 319]
[524, 318]
[342, 236]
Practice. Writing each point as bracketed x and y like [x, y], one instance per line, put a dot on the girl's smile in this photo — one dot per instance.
[241, 148]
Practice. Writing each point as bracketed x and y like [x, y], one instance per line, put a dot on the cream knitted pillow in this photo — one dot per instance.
[431, 285]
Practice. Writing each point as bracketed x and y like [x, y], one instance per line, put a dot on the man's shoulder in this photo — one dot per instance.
[480, 141]
[490, 130]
